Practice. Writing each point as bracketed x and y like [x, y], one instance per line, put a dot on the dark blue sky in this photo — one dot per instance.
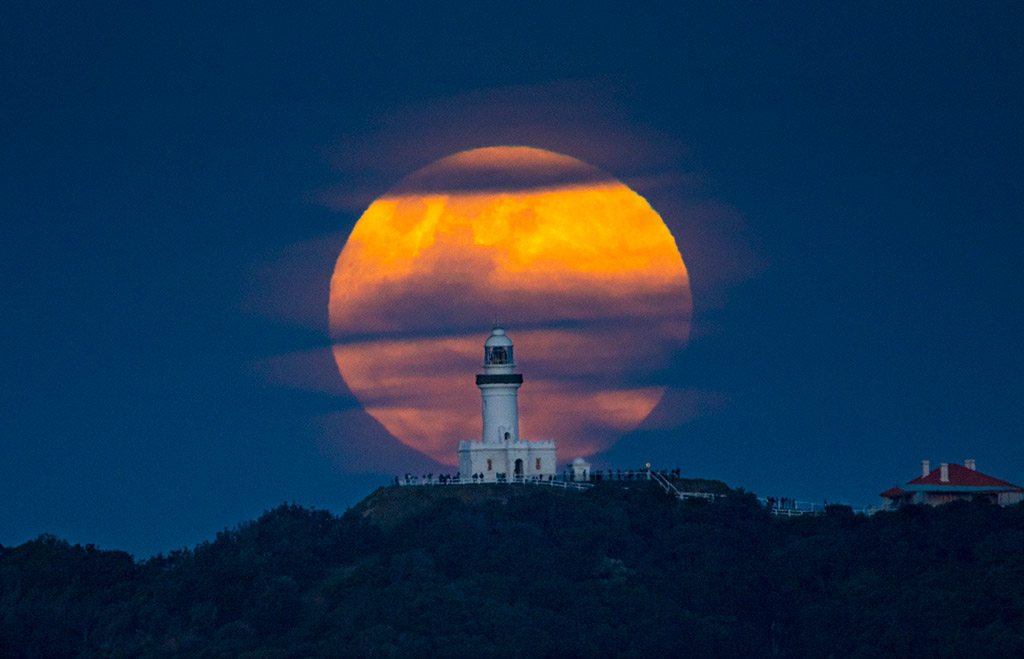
[177, 182]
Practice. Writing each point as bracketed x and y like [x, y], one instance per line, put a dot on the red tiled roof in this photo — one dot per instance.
[892, 492]
[963, 477]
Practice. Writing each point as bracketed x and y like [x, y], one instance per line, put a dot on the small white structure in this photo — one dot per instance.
[501, 453]
[580, 470]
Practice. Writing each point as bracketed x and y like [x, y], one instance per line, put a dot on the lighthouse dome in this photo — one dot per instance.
[498, 352]
[497, 338]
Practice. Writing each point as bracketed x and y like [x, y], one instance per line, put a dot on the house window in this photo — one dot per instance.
[488, 464]
[538, 464]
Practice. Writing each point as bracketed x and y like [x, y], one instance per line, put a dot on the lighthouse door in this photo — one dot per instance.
[519, 467]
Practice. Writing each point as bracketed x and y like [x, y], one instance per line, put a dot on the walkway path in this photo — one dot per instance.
[515, 480]
[780, 507]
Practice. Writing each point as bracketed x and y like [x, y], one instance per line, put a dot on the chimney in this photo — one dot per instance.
[970, 465]
[944, 472]
[926, 468]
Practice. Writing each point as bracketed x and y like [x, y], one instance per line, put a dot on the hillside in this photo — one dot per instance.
[387, 507]
[530, 571]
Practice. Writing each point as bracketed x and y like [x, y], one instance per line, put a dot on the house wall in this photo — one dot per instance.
[939, 498]
[1010, 498]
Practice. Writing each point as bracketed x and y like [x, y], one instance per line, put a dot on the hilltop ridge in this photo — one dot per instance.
[388, 506]
[519, 570]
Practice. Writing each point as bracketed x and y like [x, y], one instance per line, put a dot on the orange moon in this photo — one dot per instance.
[579, 269]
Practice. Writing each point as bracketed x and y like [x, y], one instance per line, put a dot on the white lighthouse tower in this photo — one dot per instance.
[502, 454]
[499, 389]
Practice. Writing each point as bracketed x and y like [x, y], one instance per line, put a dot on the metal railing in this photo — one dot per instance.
[791, 507]
[669, 486]
[782, 507]
[515, 480]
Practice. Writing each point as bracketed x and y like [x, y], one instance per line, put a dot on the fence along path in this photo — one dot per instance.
[780, 507]
[521, 480]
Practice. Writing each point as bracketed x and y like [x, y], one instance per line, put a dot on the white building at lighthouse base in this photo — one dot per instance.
[506, 459]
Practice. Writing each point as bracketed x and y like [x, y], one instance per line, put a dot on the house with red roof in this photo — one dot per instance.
[952, 482]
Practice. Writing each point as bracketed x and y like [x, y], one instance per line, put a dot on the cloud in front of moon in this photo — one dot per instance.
[579, 269]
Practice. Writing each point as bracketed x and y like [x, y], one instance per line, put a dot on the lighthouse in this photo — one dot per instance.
[499, 389]
[501, 454]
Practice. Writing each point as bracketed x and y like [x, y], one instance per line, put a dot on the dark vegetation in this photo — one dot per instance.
[527, 571]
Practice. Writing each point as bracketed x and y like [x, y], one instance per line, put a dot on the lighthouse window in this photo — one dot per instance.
[538, 464]
[488, 465]
[498, 355]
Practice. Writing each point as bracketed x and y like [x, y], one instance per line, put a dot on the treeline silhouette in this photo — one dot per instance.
[505, 571]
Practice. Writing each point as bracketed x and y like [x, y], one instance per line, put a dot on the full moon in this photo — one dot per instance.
[578, 268]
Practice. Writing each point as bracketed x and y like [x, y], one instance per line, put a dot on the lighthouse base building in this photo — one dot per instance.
[507, 460]
[501, 454]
